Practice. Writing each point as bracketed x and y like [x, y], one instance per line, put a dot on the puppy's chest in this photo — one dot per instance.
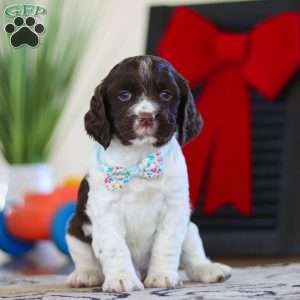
[139, 206]
[142, 219]
[142, 210]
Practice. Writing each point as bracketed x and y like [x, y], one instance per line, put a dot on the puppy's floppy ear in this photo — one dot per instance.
[189, 121]
[96, 122]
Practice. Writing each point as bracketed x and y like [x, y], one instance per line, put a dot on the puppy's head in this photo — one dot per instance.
[142, 99]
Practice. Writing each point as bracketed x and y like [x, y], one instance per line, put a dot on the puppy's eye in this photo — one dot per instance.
[165, 95]
[124, 96]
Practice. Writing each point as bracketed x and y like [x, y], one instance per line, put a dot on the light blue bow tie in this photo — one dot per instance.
[118, 177]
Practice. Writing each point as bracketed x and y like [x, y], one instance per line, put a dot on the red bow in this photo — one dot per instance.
[228, 64]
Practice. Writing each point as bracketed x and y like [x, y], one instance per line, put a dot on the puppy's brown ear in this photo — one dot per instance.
[96, 122]
[189, 121]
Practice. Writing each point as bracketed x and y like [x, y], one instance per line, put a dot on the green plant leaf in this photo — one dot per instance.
[35, 84]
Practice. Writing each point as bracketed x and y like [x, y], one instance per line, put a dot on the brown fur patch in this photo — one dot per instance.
[80, 217]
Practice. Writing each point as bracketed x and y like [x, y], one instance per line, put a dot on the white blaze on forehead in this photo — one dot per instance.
[144, 106]
[144, 68]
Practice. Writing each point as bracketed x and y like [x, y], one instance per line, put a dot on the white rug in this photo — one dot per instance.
[272, 282]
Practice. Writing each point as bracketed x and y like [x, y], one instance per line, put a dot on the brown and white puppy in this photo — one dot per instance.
[141, 234]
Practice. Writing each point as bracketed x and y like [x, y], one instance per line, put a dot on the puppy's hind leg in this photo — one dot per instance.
[88, 270]
[195, 263]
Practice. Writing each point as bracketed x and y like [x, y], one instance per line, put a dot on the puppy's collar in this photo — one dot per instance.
[118, 177]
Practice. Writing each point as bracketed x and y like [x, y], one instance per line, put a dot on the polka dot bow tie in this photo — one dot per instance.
[116, 178]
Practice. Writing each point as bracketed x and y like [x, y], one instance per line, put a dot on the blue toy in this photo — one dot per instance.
[60, 224]
[9, 244]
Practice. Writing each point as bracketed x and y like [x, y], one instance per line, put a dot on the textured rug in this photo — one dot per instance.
[268, 282]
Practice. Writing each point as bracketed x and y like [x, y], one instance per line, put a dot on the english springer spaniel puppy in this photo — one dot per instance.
[132, 225]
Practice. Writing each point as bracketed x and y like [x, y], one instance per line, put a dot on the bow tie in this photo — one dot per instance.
[116, 178]
[227, 64]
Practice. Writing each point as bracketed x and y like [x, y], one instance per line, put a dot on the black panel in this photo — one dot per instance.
[273, 226]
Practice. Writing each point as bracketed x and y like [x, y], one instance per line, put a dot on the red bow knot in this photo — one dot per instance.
[230, 48]
[227, 65]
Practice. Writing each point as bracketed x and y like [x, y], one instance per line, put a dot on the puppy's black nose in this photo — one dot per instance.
[146, 119]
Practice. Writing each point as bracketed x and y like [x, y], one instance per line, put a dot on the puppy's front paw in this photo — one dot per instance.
[209, 272]
[162, 280]
[122, 283]
[85, 278]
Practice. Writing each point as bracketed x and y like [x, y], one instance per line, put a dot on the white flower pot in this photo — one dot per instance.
[25, 178]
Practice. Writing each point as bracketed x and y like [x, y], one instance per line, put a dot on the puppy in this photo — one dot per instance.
[132, 225]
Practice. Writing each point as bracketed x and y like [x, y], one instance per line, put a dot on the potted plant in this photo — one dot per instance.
[34, 86]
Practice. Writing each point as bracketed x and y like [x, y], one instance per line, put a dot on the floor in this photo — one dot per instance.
[42, 274]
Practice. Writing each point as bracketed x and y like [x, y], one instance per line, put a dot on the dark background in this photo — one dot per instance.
[274, 226]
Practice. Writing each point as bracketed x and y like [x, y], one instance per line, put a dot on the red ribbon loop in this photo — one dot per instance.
[227, 63]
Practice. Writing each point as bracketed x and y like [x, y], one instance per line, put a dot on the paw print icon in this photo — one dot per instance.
[24, 32]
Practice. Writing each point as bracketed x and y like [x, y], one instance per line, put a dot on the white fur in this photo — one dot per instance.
[88, 270]
[145, 105]
[144, 68]
[144, 231]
